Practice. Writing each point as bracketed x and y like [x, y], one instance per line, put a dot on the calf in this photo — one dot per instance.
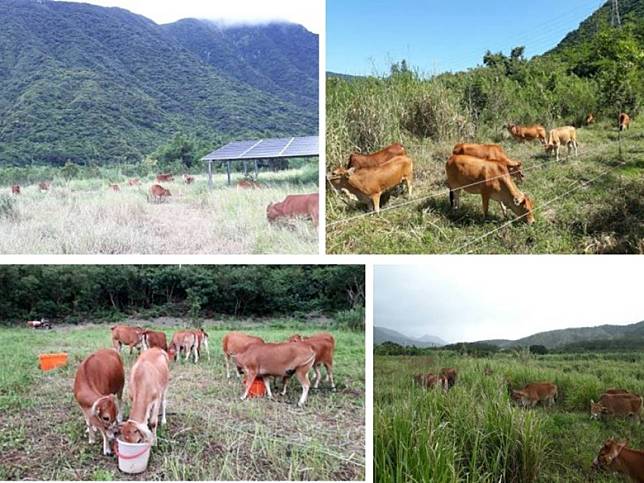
[615, 456]
[134, 182]
[98, 390]
[159, 193]
[489, 179]
[624, 121]
[148, 388]
[202, 341]
[15, 189]
[491, 152]
[368, 184]
[450, 373]
[357, 160]
[616, 404]
[429, 381]
[115, 187]
[279, 360]
[534, 393]
[248, 184]
[528, 133]
[187, 179]
[129, 336]
[235, 342]
[184, 340]
[559, 136]
[295, 205]
[44, 185]
[155, 339]
[323, 344]
[164, 177]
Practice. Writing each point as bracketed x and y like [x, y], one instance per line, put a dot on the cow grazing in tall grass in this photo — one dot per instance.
[187, 179]
[98, 390]
[235, 342]
[429, 381]
[616, 456]
[245, 184]
[358, 160]
[532, 394]
[293, 206]
[527, 133]
[450, 373]
[148, 388]
[15, 189]
[622, 404]
[167, 177]
[159, 193]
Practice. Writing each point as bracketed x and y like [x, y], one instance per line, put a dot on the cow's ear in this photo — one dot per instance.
[351, 170]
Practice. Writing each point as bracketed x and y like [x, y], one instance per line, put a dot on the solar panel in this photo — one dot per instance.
[266, 148]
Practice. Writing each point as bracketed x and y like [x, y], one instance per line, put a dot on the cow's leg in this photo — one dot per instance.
[267, 385]
[284, 384]
[504, 209]
[408, 183]
[302, 374]
[486, 202]
[119, 414]
[106, 444]
[195, 353]
[455, 198]
[164, 403]
[375, 201]
[226, 356]
[575, 146]
[154, 419]
[329, 374]
[90, 430]
[205, 343]
[250, 377]
[116, 345]
[318, 376]
[556, 152]
[187, 350]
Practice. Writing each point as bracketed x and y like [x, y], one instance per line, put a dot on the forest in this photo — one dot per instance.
[71, 293]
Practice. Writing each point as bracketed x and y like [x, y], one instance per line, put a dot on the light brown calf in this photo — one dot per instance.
[357, 160]
[155, 339]
[491, 152]
[531, 394]
[202, 341]
[186, 341]
[624, 121]
[528, 133]
[235, 342]
[129, 336]
[323, 344]
[590, 119]
[98, 390]
[615, 456]
[164, 177]
[562, 136]
[159, 193]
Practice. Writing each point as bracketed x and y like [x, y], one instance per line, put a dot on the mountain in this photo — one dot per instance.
[382, 334]
[86, 83]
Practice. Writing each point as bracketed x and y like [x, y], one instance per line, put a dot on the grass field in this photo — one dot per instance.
[210, 435]
[604, 216]
[85, 217]
[473, 433]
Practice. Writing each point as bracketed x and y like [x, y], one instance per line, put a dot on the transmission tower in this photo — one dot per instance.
[615, 20]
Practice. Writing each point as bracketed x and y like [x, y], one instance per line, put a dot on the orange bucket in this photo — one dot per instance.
[52, 361]
[257, 388]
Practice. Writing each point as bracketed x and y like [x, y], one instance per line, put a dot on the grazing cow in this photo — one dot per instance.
[531, 394]
[617, 404]
[155, 339]
[246, 183]
[134, 182]
[323, 344]
[528, 133]
[624, 121]
[429, 381]
[98, 389]
[44, 185]
[129, 336]
[15, 189]
[450, 373]
[115, 187]
[590, 119]
[616, 456]
[186, 341]
[489, 179]
[282, 359]
[158, 192]
[295, 205]
[164, 177]
[562, 136]
[202, 341]
[235, 342]
[357, 160]
[368, 184]
[148, 388]
[187, 179]
[39, 324]
[488, 371]
[491, 152]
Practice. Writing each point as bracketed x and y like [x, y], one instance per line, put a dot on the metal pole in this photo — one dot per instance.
[228, 171]
[255, 170]
[210, 175]
[245, 168]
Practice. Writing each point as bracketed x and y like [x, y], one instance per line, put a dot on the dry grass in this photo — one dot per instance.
[85, 217]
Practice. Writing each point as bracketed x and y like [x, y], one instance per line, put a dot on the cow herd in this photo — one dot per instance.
[483, 169]
[614, 455]
[100, 378]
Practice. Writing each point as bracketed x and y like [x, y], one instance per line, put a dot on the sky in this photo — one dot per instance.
[309, 13]
[465, 299]
[365, 37]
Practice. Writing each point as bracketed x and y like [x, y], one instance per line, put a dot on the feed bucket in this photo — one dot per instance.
[257, 388]
[133, 457]
[47, 362]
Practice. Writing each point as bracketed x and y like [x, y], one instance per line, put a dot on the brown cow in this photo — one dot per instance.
[44, 185]
[148, 388]
[129, 336]
[562, 136]
[616, 456]
[98, 390]
[323, 344]
[186, 341]
[450, 373]
[234, 343]
[158, 192]
[282, 359]
[357, 160]
[164, 177]
[15, 189]
[115, 187]
[489, 179]
[491, 152]
[155, 339]
[528, 133]
[624, 121]
[590, 119]
[134, 182]
[187, 179]
[248, 184]
[368, 184]
[429, 381]
[616, 404]
[531, 394]
[295, 205]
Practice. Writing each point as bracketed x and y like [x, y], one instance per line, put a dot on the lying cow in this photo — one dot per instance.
[184, 341]
[246, 183]
[429, 381]
[295, 205]
[491, 152]
[283, 359]
[617, 404]
[235, 342]
[624, 121]
[159, 193]
[528, 133]
[164, 177]
[562, 136]
[368, 184]
[531, 394]
[155, 339]
[129, 336]
[323, 344]
[616, 456]
[489, 179]
[15, 189]
[450, 373]
[148, 388]
[98, 390]
[357, 160]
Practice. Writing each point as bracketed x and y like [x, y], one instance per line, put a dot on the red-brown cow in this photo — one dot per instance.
[624, 121]
[155, 339]
[159, 193]
[202, 341]
[244, 184]
[295, 205]
[98, 389]
[531, 394]
[429, 381]
[234, 343]
[184, 341]
[357, 160]
[15, 189]
[323, 344]
[129, 336]
[491, 152]
[164, 177]
[528, 133]
[616, 456]
[450, 373]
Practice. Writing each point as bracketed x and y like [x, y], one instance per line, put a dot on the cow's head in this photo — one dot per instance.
[596, 409]
[272, 212]
[518, 396]
[105, 411]
[608, 453]
[135, 432]
[524, 206]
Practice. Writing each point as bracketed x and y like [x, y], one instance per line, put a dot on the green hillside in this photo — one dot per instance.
[91, 84]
